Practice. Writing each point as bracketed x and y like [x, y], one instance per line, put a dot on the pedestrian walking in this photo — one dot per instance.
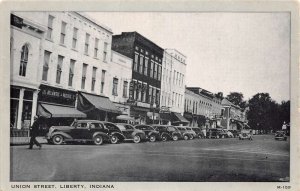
[34, 133]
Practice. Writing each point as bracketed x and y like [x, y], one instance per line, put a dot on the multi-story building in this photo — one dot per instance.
[119, 77]
[173, 81]
[25, 43]
[191, 101]
[144, 95]
[72, 56]
[233, 116]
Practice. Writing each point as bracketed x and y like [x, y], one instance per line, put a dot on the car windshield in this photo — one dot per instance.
[111, 126]
[171, 129]
[121, 127]
[128, 127]
[143, 127]
[188, 128]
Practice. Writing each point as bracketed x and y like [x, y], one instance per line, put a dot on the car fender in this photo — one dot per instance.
[140, 133]
[176, 133]
[120, 135]
[165, 134]
[65, 135]
[105, 136]
[153, 133]
[188, 134]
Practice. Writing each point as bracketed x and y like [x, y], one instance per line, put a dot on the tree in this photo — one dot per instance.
[237, 98]
[219, 95]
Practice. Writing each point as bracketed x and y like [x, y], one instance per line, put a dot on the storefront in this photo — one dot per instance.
[23, 103]
[97, 107]
[140, 115]
[57, 107]
[178, 119]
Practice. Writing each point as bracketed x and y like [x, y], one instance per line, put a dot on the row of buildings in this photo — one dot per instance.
[65, 65]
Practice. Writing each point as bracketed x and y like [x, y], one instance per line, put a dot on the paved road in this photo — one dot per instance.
[262, 159]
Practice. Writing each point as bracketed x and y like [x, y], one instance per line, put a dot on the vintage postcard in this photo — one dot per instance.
[150, 95]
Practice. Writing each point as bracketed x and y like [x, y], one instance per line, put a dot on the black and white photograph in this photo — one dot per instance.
[150, 96]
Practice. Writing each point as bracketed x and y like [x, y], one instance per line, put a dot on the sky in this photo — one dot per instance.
[226, 52]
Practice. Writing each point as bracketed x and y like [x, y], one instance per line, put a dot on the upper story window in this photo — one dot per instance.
[46, 65]
[71, 72]
[74, 41]
[83, 78]
[146, 66]
[151, 69]
[105, 51]
[50, 27]
[125, 88]
[59, 68]
[86, 45]
[96, 48]
[94, 78]
[155, 71]
[115, 86]
[135, 63]
[63, 32]
[141, 64]
[159, 73]
[102, 81]
[24, 60]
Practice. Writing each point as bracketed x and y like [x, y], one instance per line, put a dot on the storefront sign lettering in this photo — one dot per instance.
[57, 95]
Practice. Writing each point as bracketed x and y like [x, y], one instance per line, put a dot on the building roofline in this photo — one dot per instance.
[176, 51]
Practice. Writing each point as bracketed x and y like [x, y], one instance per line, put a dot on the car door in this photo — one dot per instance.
[128, 132]
[81, 131]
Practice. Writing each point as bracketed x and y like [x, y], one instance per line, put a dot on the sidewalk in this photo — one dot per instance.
[25, 140]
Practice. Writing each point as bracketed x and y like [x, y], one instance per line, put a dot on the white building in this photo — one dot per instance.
[26, 42]
[173, 81]
[119, 78]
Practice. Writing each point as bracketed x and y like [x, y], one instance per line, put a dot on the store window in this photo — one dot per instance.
[27, 109]
[24, 60]
[14, 106]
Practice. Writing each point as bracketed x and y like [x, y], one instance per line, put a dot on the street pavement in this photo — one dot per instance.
[198, 160]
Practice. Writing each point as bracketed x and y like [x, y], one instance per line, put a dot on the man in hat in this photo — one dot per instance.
[34, 132]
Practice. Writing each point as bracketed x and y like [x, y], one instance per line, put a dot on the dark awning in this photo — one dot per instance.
[48, 111]
[178, 118]
[99, 102]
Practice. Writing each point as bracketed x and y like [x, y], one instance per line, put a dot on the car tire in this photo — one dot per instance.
[175, 138]
[152, 138]
[136, 139]
[98, 140]
[223, 136]
[218, 136]
[192, 137]
[164, 138]
[49, 141]
[57, 139]
[114, 139]
[185, 137]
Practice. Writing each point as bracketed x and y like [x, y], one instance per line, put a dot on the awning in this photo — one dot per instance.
[99, 102]
[165, 116]
[124, 117]
[178, 118]
[47, 110]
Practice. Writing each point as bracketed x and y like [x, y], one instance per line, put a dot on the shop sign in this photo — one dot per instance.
[16, 21]
[164, 109]
[56, 95]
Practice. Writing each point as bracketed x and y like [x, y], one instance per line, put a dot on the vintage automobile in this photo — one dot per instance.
[198, 132]
[151, 134]
[192, 132]
[245, 134]
[229, 134]
[280, 135]
[167, 132]
[235, 133]
[215, 133]
[130, 133]
[184, 133]
[79, 131]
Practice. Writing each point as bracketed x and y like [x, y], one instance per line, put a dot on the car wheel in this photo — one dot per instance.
[57, 139]
[192, 137]
[136, 139]
[164, 138]
[223, 136]
[114, 139]
[98, 140]
[218, 136]
[185, 137]
[175, 138]
[152, 138]
[49, 141]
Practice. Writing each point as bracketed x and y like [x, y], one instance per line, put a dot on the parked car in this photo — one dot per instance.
[245, 134]
[151, 134]
[229, 134]
[167, 132]
[215, 133]
[192, 132]
[280, 135]
[198, 132]
[235, 133]
[184, 133]
[130, 133]
[79, 131]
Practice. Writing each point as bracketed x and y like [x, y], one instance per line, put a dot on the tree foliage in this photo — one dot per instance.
[237, 98]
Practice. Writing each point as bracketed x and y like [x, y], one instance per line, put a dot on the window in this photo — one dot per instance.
[139, 92]
[71, 72]
[150, 95]
[50, 27]
[159, 73]
[151, 69]
[94, 78]
[83, 78]
[141, 64]
[46, 65]
[102, 81]
[153, 95]
[74, 41]
[144, 92]
[146, 67]
[24, 60]
[115, 86]
[59, 68]
[63, 32]
[155, 71]
[105, 51]
[86, 46]
[125, 88]
[135, 63]
[157, 96]
[96, 48]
